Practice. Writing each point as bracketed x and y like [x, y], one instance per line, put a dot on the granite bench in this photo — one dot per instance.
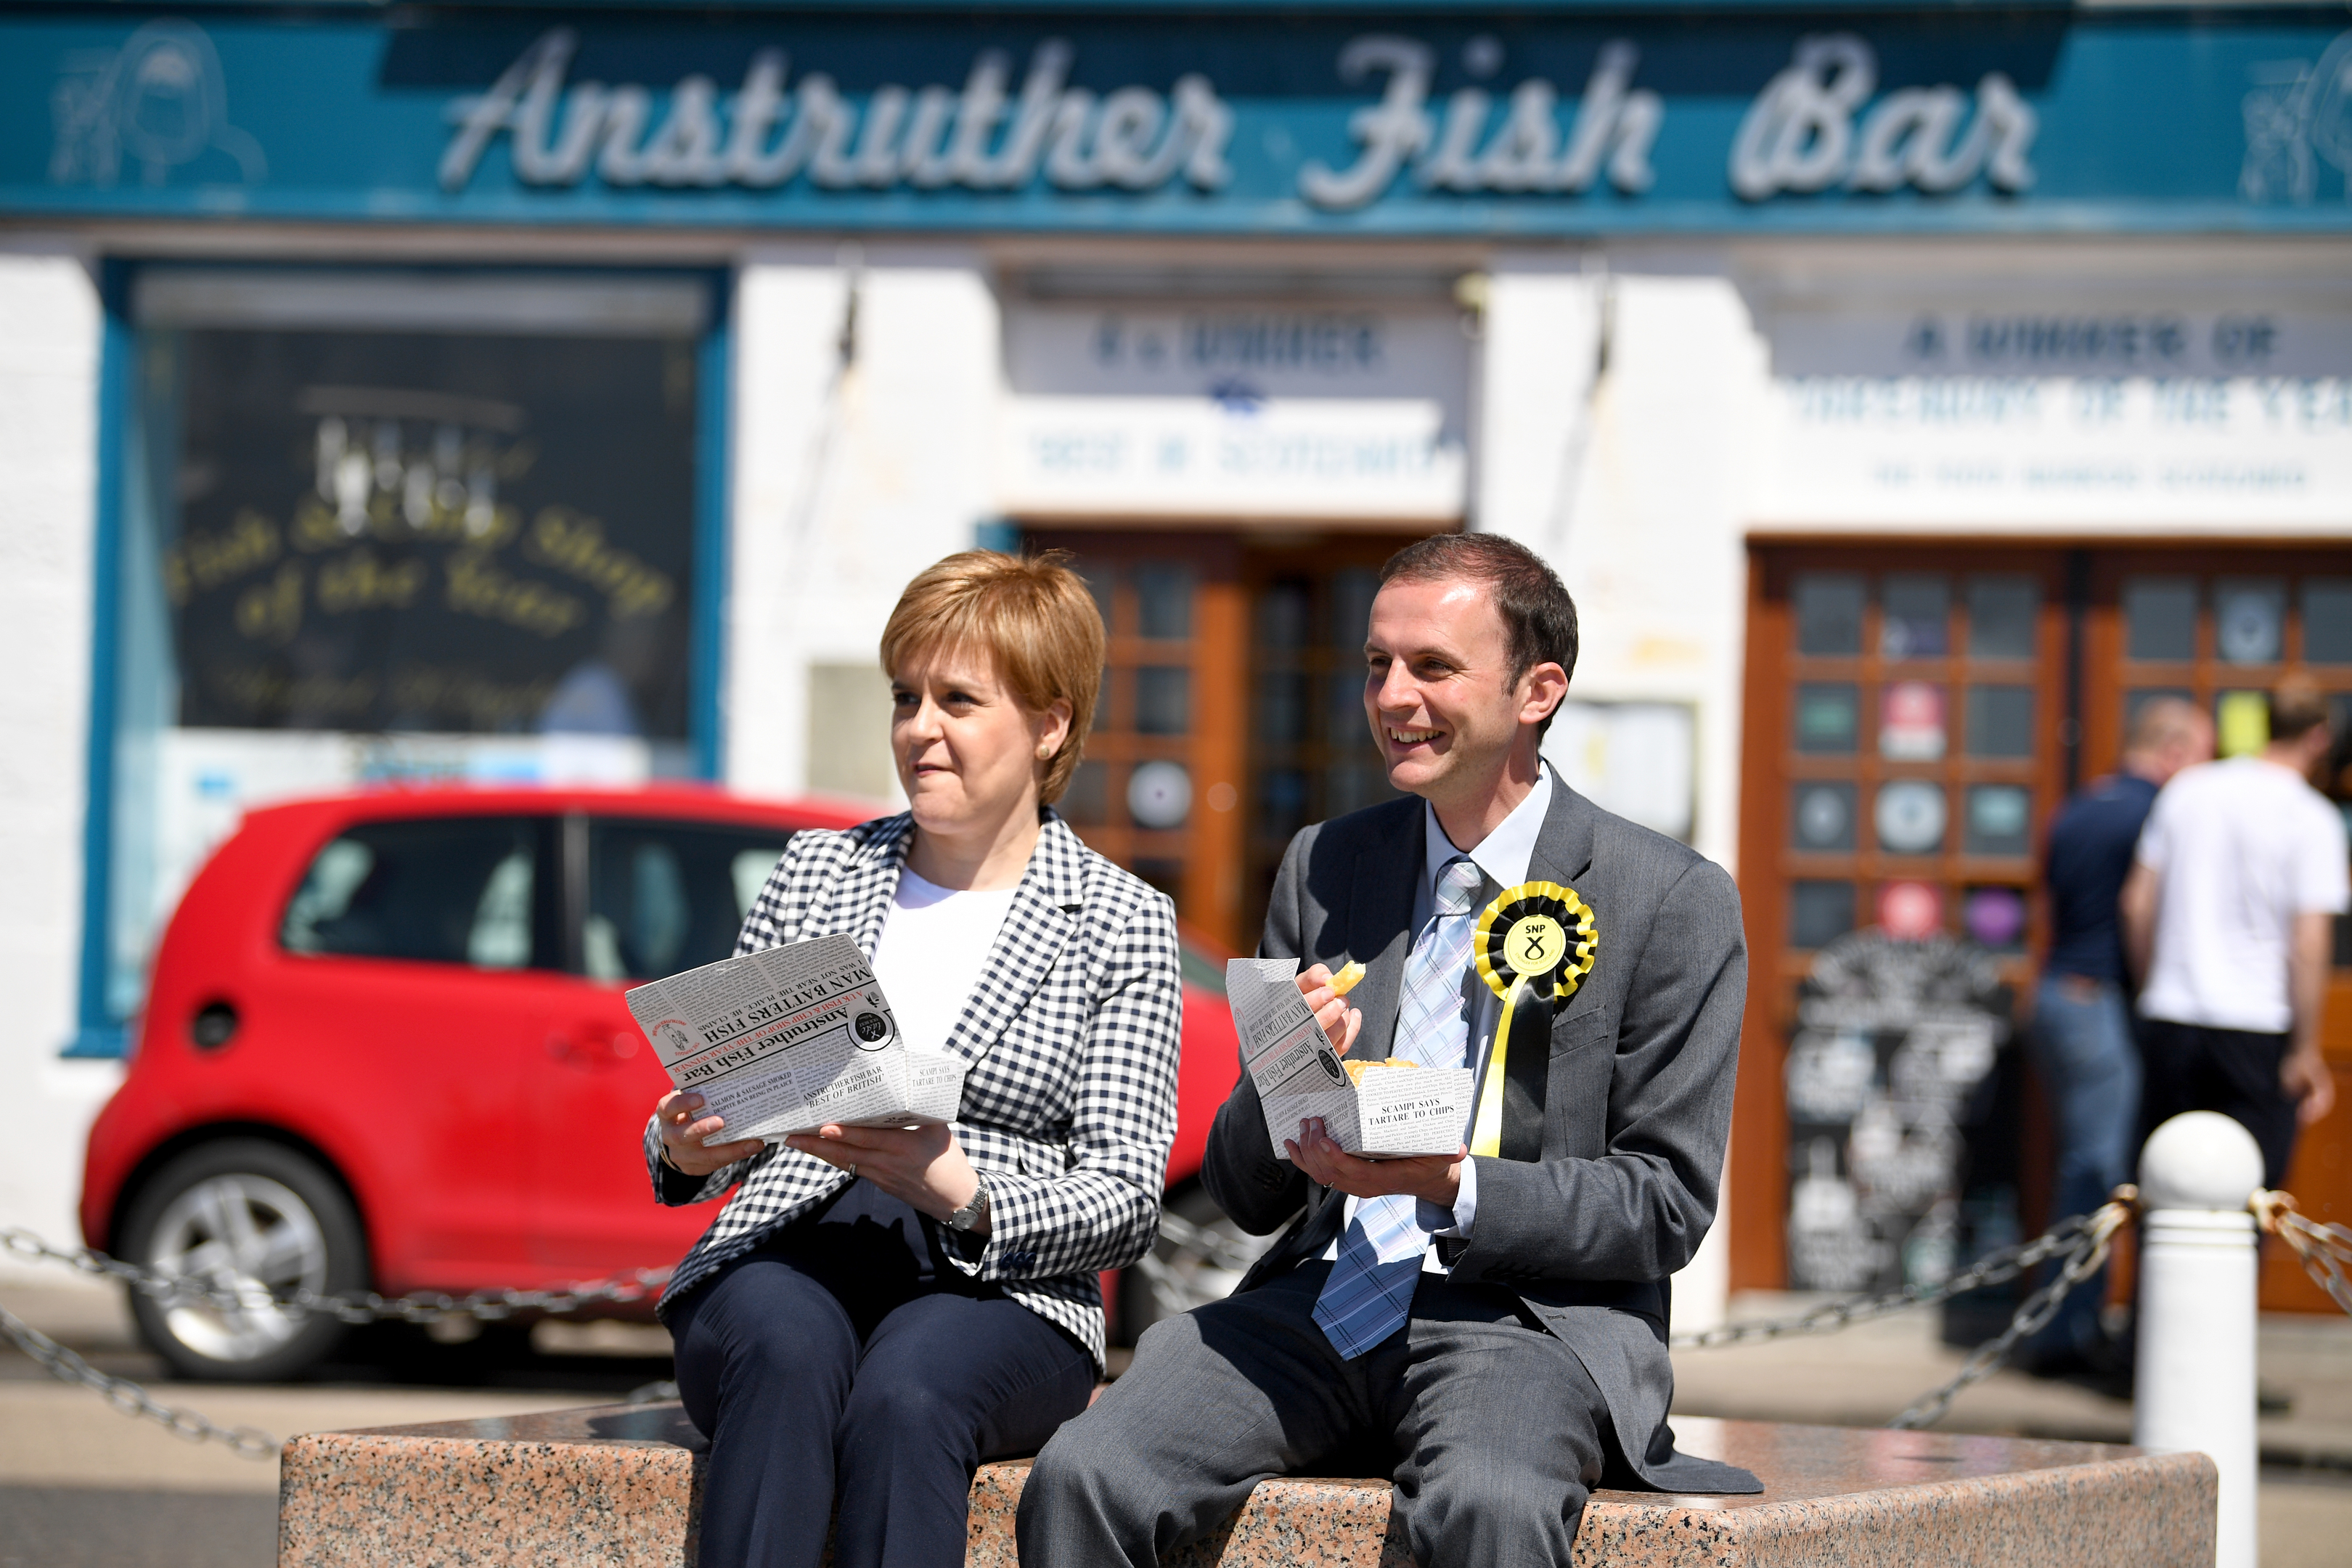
[617, 1486]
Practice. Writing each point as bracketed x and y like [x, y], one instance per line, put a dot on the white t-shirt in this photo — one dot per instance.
[935, 943]
[2241, 847]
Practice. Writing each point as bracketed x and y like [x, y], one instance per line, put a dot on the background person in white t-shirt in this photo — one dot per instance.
[2226, 917]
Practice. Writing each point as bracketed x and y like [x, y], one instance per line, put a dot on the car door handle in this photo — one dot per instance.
[591, 1047]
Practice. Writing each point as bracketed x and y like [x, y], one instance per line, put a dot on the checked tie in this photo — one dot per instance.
[1370, 1292]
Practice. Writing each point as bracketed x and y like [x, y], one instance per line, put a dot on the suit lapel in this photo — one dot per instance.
[1379, 927]
[1563, 853]
[1046, 909]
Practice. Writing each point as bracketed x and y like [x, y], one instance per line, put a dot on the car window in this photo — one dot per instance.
[469, 890]
[668, 896]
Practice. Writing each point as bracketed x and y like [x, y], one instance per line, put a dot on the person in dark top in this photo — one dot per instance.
[2081, 1036]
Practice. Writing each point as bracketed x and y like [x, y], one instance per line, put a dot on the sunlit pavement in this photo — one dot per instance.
[84, 1487]
[1865, 1375]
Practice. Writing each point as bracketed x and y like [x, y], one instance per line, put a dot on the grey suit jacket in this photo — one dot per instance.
[1611, 1149]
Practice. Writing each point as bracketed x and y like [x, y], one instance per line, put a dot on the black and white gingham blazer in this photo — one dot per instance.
[1069, 1104]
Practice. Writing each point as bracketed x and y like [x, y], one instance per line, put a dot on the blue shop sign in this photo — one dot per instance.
[1250, 122]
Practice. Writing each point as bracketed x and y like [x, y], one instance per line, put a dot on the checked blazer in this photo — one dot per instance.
[1069, 1104]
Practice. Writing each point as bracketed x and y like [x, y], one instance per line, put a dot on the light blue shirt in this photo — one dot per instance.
[1502, 856]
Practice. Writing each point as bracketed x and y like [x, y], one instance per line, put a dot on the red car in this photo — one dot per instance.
[385, 1048]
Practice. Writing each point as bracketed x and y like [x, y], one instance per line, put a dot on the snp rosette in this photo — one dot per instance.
[1379, 1111]
[791, 1038]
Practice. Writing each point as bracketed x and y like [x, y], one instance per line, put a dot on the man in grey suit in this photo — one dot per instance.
[1490, 1329]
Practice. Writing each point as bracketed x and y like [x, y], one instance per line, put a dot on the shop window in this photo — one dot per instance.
[2002, 611]
[2000, 720]
[1823, 817]
[2000, 819]
[1827, 716]
[1909, 815]
[2249, 620]
[2159, 619]
[1163, 701]
[376, 529]
[1819, 912]
[1913, 621]
[1828, 612]
[2328, 620]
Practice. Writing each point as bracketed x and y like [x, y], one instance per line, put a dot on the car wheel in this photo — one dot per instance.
[1200, 1263]
[255, 1219]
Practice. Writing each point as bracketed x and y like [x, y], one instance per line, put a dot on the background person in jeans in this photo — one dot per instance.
[2080, 1039]
[2226, 913]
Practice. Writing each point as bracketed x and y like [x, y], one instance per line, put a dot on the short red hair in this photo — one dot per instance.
[1034, 618]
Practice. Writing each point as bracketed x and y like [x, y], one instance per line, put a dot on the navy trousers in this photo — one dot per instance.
[864, 1393]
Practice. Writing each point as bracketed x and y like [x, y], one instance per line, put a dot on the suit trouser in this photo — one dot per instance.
[885, 1409]
[1489, 1425]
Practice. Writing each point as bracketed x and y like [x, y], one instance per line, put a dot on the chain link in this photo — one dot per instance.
[2088, 1251]
[2081, 1243]
[128, 1397]
[2324, 1247]
[350, 1306]
[1993, 1268]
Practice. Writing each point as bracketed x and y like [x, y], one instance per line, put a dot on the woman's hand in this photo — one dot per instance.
[1339, 1021]
[683, 1129]
[920, 1166]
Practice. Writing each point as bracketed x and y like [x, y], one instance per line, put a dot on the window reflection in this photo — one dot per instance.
[1827, 716]
[1999, 817]
[2001, 617]
[1819, 912]
[1995, 917]
[1823, 817]
[1915, 610]
[2159, 619]
[2328, 620]
[1829, 612]
[1910, 815]
[2000, 720]
[1284, 613]
[1282, 707]
[1163, 700]
[2249, 620]
[1163, 601]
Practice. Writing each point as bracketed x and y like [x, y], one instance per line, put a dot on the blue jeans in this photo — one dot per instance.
[2082, 1045]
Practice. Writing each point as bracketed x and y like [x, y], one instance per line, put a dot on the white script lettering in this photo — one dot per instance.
[764, 134]
[1799, 134]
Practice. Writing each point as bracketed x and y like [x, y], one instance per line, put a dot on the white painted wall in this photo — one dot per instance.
[49, 335]
[849, 479]
[1631, 479]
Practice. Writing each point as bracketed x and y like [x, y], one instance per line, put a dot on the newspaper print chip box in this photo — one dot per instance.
[791, 1038]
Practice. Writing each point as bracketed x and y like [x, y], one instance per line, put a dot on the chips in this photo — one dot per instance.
[1356, 1070]
[1345, 980]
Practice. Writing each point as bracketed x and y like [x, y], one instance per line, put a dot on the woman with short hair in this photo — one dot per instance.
[879, 1309]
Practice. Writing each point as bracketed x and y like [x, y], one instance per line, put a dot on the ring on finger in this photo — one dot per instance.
[852, 1169]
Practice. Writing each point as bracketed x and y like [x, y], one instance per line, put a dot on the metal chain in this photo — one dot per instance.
[2082, 1241]
[350, 1306]
[126, 1396]
[2325, 1247]
[1993, 1268]
[2082, 1260]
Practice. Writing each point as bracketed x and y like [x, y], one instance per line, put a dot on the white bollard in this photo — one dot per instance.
[2194, 1384]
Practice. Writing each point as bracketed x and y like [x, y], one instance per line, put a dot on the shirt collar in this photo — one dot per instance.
[1503, 854]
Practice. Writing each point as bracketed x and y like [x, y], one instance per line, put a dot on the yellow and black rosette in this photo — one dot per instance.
[1540, 932]
[1535, 944]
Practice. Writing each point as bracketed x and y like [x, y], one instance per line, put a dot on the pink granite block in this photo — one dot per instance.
[617, 1487]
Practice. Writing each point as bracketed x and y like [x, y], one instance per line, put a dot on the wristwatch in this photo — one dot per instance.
[970, 1216]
